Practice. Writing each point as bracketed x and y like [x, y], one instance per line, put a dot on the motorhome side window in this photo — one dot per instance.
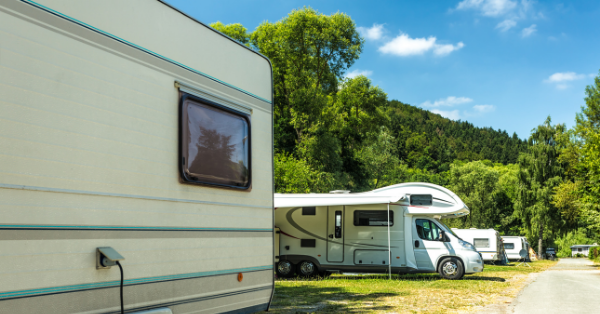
[215, 144]
[373, 218]
[509, 246]
[427, 230]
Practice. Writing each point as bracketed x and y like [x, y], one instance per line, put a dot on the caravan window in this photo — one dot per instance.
[215, 144]
[373, 218]
[481, 243]
[509, 246]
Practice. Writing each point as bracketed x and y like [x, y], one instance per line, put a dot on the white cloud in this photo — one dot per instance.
[453, 115]
[510, 11]
[355, 73]
[528, 31]
[442, 50]
[405, 46]
[484, 108]
[506, 25]
[564, 77]
[450, 101]
[372, 33]
[492, 8]
[561, 79]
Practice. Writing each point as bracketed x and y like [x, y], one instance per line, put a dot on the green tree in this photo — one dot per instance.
[379, 157]
[540, 172]
[310, 52]
[296, 176]
[476, 184]
[588, 130]
[236, 31]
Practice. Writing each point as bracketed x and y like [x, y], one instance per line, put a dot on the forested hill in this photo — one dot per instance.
[333, 132]
[431, 142]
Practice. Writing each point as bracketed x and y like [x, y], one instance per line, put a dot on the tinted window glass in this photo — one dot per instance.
[216, 145]
[427, 230]
[509, 246]
[373, 218]
[309, 211]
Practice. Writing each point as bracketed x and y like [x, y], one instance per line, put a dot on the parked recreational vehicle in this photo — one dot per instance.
[486, 241]
[396, 229]
[131, 136]
[513, 245]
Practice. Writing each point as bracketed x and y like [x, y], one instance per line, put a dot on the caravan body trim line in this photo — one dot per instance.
[121, 40]
[154, 198]
[127, 282]
[125, 228]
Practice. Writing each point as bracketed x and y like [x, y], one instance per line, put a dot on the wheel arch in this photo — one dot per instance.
[441, 258]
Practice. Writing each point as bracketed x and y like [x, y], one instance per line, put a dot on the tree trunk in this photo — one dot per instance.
[540, 251]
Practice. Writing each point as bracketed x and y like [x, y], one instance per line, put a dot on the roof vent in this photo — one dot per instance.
[339, 192]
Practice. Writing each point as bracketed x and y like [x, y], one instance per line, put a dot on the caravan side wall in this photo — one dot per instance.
[89, 157]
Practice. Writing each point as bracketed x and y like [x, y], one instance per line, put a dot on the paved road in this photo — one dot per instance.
[572, 286]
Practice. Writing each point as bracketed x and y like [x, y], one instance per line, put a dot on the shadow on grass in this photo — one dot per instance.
[483, 278]
[405, 277]
[303, 299]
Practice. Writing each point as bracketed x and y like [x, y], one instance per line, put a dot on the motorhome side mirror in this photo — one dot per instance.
[445, 237]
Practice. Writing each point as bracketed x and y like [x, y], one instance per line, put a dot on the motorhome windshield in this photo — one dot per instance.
[447, 229]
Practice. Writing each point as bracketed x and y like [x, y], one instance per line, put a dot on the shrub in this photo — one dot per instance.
[594, 253]
[572, 238]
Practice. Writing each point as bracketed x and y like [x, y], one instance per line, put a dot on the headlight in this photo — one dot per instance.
[466, 245]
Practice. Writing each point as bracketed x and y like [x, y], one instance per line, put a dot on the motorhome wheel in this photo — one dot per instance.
[285, 269]
[307, 269]
[451, 268]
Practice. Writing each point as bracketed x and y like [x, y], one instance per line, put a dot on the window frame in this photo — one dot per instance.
[184, 178]
[440, 229]
[368, 210]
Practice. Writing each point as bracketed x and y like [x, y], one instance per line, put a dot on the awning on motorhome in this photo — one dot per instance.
[444, 203]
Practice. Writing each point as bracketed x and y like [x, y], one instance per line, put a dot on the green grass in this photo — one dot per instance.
[407, 294]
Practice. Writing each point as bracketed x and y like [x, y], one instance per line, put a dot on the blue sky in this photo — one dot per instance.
[505, 64]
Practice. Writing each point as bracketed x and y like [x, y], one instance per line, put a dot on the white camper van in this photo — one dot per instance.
[513, 245]
[396, 229]
[486, 241]
[131, 136]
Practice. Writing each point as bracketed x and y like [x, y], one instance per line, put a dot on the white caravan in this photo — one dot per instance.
[130, 130]
[396, 229]
[486, 241]
[513, 245]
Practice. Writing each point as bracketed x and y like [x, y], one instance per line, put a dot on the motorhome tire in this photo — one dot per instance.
[307, 269]
[285, 269]
[451, 268]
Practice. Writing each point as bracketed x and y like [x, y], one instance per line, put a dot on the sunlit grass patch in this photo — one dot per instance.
[404, 294]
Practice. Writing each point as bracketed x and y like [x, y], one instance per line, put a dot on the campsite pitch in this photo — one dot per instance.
[403, 294]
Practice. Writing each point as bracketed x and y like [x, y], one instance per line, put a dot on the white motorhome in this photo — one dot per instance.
[396, 229]
[513, 245]
[486, 241]
[130, 130]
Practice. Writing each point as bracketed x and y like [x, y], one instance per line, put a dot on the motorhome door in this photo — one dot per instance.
[427, 243]
[335, 233]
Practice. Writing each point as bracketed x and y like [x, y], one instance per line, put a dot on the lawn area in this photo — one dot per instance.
[403, 294]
